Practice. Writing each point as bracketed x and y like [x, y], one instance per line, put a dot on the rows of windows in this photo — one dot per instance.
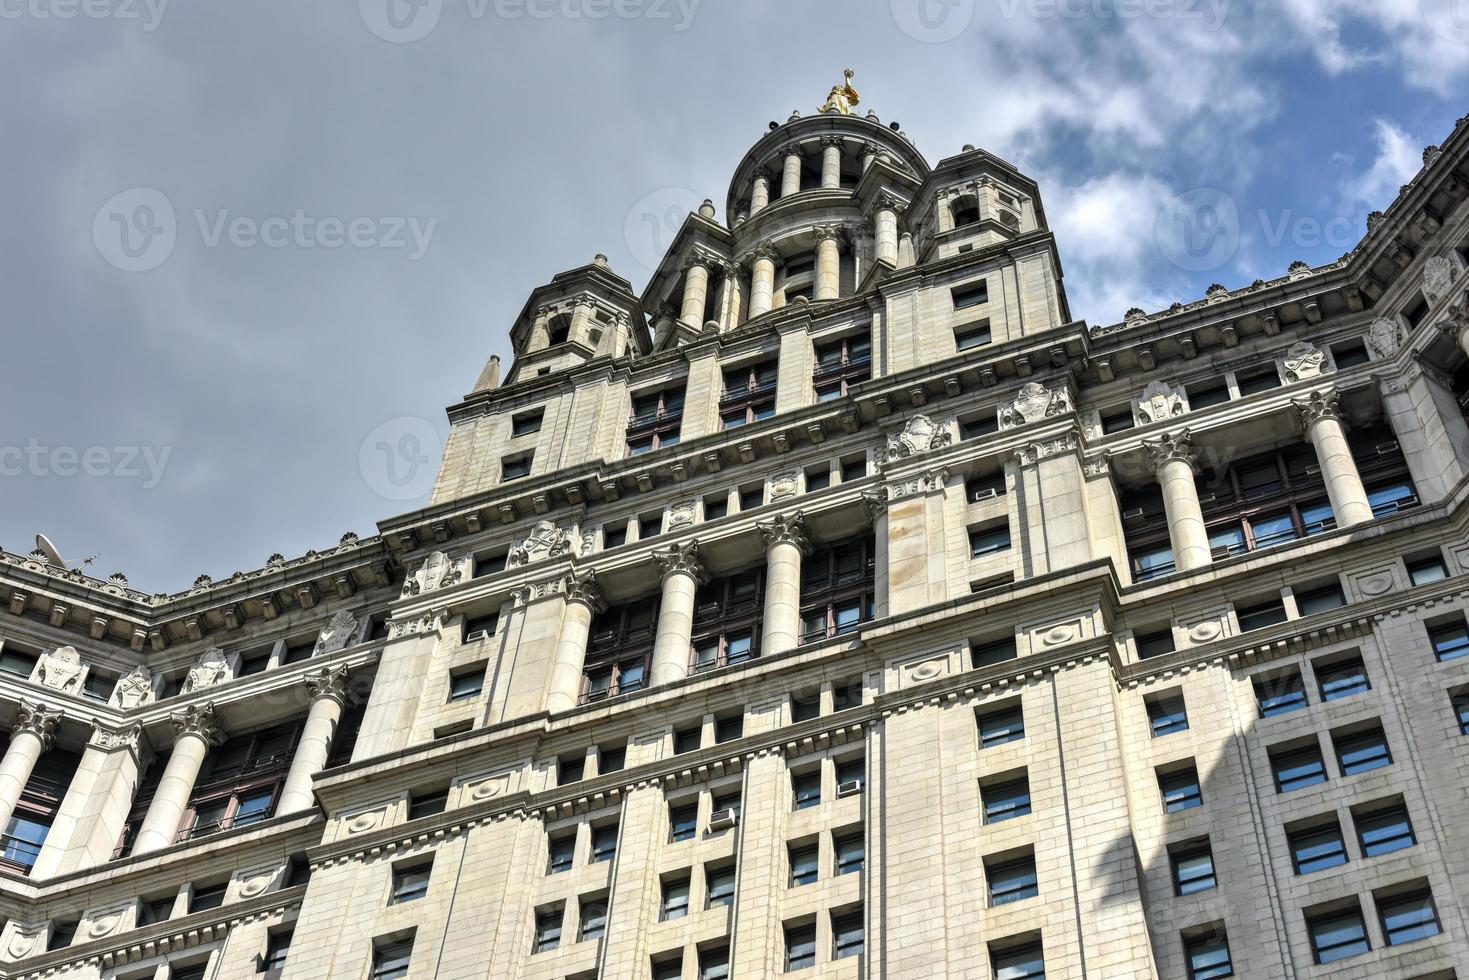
[1405, 913]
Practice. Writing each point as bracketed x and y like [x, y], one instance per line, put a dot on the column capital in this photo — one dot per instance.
[831, 140]
[786, 529]
[681, 559]
[1318, 406]
[888, 201]
[581, 585]
[875, 503]
[1172, 447]
[34, 718]
[761, 172]
[111, 739]
[699, 261]
[828, 232]
[764, 250]
[198, 720]
[790, 149]
[329, 682]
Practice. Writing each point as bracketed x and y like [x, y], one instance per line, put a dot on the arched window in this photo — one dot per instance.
[966, 211]
[558, 330]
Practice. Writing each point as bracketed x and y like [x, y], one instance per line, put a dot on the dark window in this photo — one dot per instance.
[1000, 724]
[852, 769]
[971, 294]
[838, 589]
[818, 479]
[986, 487]
[571, 769]
[427, 804]
[657, 418]
[806, 788]
[193, 972]
[650, 526]
[805, 860]
[1006, 800]
[1317, 847]
[847, 935]
[721, 885]
[1012, 880]
[1260, 379]
[972, 335]
[203, 899]
[851, 853]
[548, 929]
[1155, 644]
[974, 426]
[410, 884]
[156, 910]
[1261, 615]
[467, 684]
[1320, 600]
[749, 394]
[846, 694]
[277, 948]
[299, 650]
[1407, 916]
[13, 661]
[683, 822]
[1460, 704]
[562, 850]
[716, 507]
[1280, 693]
[675, 901]
[1027, 962]
[1208, 955]
[1166, 714]
[727, 618]
[854, 469]
[1297, 768]
[687, 740]
[390, 960]
[604, 843]
[1362, 751]
[1383, 828]
[62, 934]
[994, 652]
[593, 920]
[805, 708]
[99, 685]
[613, 536]
[1117, 419]
[1425, 571]
[1337, 934]
[479, 627]
[1206, 393]
[526, 423]
[240, 781]
[989, 541]
[841, 364]
[255, 661]
[1342, 679]
[611, 758]
[714, 963]
[1450, 641]
[1193, 868]
[619, 650]
[515, 467]
[490, 562]
[751, 498]
[1415, 312]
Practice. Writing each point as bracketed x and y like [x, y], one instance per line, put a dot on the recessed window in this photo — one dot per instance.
[1337, 934]
[1260, 615]
[720, 885]
[1256, 381]
[613, 536]
[1117, 419]
[1349, 354]
[515, 467]
[1193, 867]
[649, 526]
[847, 935]
[1000, 724]
[977, 425]
[480, 628]
[1407, 915]
[277, 949]
[526, 423]
[593, 919]
[714, 963]
[851, 853]
[984, 542]
[993, 652]
[99, 685]
[211, 897]
[1316, 847]
[1297, 768]
[427, 804]
[465, 685]
[1166, 714]
[571, 769]
[604, 843]
[854, 469]
[13, 661]
[562, 849]
[548, 928]
[1012, 879]
[800, 947]
[728, 729]
[1450, 640]
[971, 294]
[805, 862]
[1326, 598]
[675, 901]
[1155, 644]
[390, 960]
[1426, 571]
[683, 822]
[687, 739]
[973, 335]
[806, 788]
[716, 506]
[1460, 703]
[1206, 393]
[751, 497]
[1280, 693]
[978, 489]
[1362, 751]
[611, 758]
[1207, 954]
[1179, 787]
[846, 694]
[1342, 678]
[818, 478]
[1415, 311]
[410, 883]
[805, 708]
[1383, 827]
[1018, 962]
[255, 661]
[1005, 800]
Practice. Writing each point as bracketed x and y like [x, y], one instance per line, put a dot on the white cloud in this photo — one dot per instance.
[1399, 158]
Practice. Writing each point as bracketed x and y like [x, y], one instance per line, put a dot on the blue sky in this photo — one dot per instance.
[520, 137]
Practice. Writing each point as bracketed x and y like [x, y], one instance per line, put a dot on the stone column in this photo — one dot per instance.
[760, 193]
[583, 601]
[906, 254]
[663, 326]
[762, 280]
[695, 293]
[828, 262]
[869, 155]
[876, 503]
[729, 295]
[1322, 421]
[946, 214]
[886, 221]
[1173, 460]
[197, 730]
[682, 573]
[94, 810]
[831, 161]
[34, 727]
[786, 542]
[790, 179]
[1457, 328]
[328, 690]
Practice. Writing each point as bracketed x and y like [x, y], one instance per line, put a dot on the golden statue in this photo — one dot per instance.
[842, 97]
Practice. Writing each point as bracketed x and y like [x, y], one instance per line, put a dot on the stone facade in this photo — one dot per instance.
[835, 606]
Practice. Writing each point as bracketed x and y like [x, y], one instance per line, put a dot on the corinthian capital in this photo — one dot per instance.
[198, 720]
[1171, 448]
[1318, 406]
[681, 559]
[581, 585]
[825, 232]
[783, 529]
[329, 682]
[34, 718]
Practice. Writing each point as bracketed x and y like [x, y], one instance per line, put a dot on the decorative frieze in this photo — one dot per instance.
[1161, 401]
[919, 435]
[339, 632]
[1035, 403]
[544, 542]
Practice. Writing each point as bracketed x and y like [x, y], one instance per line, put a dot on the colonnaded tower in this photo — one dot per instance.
[838, 607]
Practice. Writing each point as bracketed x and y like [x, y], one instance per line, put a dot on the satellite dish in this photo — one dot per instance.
[53, 557]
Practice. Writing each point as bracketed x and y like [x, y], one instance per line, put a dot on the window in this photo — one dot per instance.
[721, 885]
[1261, 615]
[805, 708]
[548, 928]
[13, 661]
[841, 364]
[1280, 694]
[656, 420]
[683, 822]
[854, 469]
[751, 497]
[619, 650]
[818, 478]
[62, 934]
[846, 694]
[1460, 703]
[611, 758]
[1025, 962]
[1012, 880]
[675, 901]
[1335, 935]
[1426, 571]
[1155, 644]
[1193, 867]
[1166, 714]
[749, 394]
[851, 770]
[277, 948]
[972, 335]
[427, 804]
[410, 883]
[714, 963]
[99, 685]
[488, 563]
[467, 684]
[1316, 847]
[971, 294]
[800, 947]
[593, 920]
[613, 536]
[649, 526]
[1000, 724]
[562, 850]
[255, 661]
[1341, 678]
[851, 853]
[993, 652]
[729, 729]
[847, 935]
[989, 541]
[716, 506]
[838, 589]
[1407, 915]
[1207, 954]
[1450, 641]
[988, 486]
[1118, 419]
[1257, 380]
[1320, 600]
[805, 861]
[1383, 827]
[974, 426]
[1349, 354]
[526, 423]
[1005, 800]
[1297, 768]
[687, 739]
[1206, 393]
[210, 897]
[390, 960]
[156, 910]
[1362, 751]
[604, 843]
[515, 467]
[806, 788]
[571, 769]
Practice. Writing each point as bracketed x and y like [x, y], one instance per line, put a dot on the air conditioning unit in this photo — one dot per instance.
[987, 494]
[723, 819]
[850, 787]
[477, 635]
[1313, 471]
[1136, 514]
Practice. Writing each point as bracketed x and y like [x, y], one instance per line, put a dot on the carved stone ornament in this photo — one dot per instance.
[1171, 448]
[24, 940]
[1384, 337]
[784, 486]
[783, 529]
[1037, 451]
[876, 504]
[1161, 401]
[681, 515]
[545, 540]
[33, 718]
[337, 634]
[919, 483]
[104, 922]
[212, 668]
[328, 682]
[437, 571]
[109, 739]
[1318, 406]
[134, 690]
[1304, 361]
[426, 623]
[681, 559]
[60, 670]
[1438, 278]
[1035, 403]
[581, 585]
[197, 720]
[919, 435]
